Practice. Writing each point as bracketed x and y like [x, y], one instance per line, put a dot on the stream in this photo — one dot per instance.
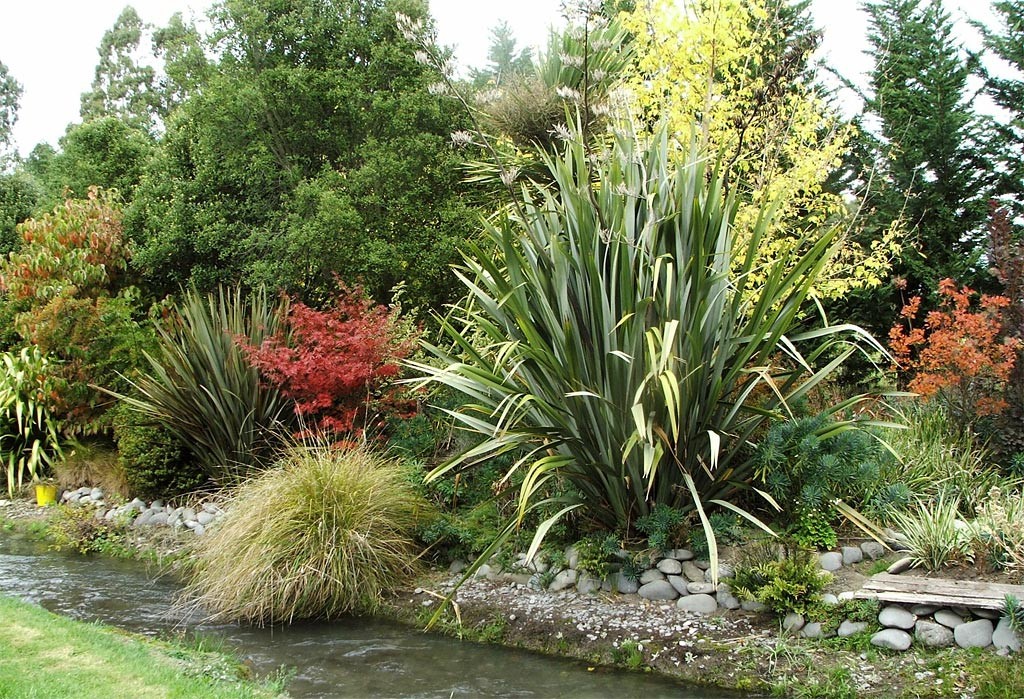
[355, 657]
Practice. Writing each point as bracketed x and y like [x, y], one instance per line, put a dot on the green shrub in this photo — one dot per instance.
[28, 430]
[611, 332]
[728, 528]
[201, 388]
[808, 463]
[663, 526]
[78, 529]
[597, 554]
[324, 532]
[154, 461]
[791, 582]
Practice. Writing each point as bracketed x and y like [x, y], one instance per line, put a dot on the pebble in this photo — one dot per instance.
[1005, 637]
[659, 590]
[793, 622]
[691, 572]
[974, 634]
[670, 566]
[752, 605]
[848, 628]
[852, 554]
[831, 561]
[563, 581]
[679, 583]
[873, 550]
[895, 617]
[933, 635]
[949, 618]
[700, 588]
[893, 639]
[699, 604]
[902, 565]
[680, 554]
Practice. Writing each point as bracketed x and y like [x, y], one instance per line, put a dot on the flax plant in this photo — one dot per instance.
[611, 336]
[200, 386]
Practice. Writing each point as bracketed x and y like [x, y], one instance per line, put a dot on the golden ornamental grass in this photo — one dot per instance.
[323, 533]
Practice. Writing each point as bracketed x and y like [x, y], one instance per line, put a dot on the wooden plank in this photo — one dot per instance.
[936, 591]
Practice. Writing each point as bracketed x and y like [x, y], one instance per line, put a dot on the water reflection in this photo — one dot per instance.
[347, 658]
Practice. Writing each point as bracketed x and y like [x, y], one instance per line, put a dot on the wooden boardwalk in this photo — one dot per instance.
[940, 592]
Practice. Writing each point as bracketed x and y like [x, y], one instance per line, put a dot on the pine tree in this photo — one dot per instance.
[928, 171]
[10, 96]
[1007, 44]
[505, 60]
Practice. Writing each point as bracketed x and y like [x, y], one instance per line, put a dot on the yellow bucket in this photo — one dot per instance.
[45, 494]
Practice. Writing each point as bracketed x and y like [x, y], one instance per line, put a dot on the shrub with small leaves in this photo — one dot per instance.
[155, 462]
[812, 530]
[79, 529]
[790, 582]
[662, 526]
[597, 554]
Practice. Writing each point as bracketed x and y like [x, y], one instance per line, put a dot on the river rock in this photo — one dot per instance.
[623, 584]
[829, 599]
[692, 572]
[564, 580]
[848, 628]
[137, 505]
[923, 609]
[974, 634]
[211, 508]
[189, 515]
[852, 554]
[1005, 637]
[587, 584]
[933, 635]
[893, 639]
[670, 566]
[700, 588]
[873, 550]
[752, 605]
[156, 505]
[990, 614]
[793, 622]
[199, 529]
[895, 617]
[699, 604]
[812, 630]
[658, 590]
[679, 583]
[159, 519]
[204, 517]
[901, 566]
[679, 554]
[726, 598]
[456, 567]
[650, 575]
[831, 561]
[143, 519]
[724, 571]
[949, 618]
[484, 571]
[96, 494]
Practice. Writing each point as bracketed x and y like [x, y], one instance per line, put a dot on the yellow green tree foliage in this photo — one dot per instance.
[725, 72]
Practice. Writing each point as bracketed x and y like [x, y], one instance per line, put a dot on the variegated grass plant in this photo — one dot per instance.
[201, 387]
[29, 440]
[612, 336]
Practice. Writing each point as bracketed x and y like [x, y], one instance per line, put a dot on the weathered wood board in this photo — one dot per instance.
[906, 589]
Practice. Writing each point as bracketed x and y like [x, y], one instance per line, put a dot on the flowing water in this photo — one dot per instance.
[347, 658]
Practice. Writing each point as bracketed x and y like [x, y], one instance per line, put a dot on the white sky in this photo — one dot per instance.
[50, 45]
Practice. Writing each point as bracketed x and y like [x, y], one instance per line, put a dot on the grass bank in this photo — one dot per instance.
[45, 655]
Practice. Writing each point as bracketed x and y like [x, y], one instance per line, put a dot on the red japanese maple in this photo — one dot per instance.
[337, 365]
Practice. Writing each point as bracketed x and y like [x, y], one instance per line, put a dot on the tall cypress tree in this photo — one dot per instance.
[928, 169]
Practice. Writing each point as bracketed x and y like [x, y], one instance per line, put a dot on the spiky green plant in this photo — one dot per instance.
[200, 386]
[28, 431]
[935, 535]
[611, 336]
[323, 533]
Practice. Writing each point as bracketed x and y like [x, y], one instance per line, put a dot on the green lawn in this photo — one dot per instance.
[44, 655]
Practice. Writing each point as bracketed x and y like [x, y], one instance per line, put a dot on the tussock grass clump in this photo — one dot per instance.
[322, 533]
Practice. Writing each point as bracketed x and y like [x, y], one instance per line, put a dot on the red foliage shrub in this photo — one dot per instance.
[960, 355]
[337, 365]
